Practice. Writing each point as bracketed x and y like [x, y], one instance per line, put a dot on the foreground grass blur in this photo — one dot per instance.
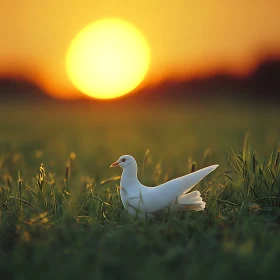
[64, 219]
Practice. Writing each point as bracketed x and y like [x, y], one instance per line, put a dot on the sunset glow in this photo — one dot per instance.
[186, 38]
[108, 59]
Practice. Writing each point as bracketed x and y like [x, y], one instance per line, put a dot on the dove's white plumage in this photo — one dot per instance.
[142, 201]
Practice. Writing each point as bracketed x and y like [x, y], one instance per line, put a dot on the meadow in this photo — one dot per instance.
[61, 215]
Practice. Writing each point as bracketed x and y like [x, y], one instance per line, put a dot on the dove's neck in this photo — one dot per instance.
[129, 176]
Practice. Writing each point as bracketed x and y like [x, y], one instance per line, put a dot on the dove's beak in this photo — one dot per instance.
[116, 163]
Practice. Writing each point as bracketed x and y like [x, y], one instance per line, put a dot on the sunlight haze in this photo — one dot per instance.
[186, 37]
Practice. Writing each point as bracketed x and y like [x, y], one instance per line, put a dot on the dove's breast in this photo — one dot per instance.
[132, 199]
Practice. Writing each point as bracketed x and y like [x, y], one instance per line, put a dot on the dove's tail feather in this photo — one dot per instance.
[191, 201]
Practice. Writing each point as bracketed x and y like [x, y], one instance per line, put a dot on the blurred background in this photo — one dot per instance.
[213, 76]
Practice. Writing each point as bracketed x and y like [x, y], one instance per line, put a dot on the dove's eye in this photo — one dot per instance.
[123, 160]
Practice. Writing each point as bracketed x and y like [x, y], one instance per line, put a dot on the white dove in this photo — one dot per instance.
[143, 201]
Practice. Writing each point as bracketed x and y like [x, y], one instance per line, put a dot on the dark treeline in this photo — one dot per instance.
[263, 85]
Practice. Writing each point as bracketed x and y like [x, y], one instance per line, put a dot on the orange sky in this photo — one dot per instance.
[185, 37]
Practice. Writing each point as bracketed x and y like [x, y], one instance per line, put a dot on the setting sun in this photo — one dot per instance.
[108, 59]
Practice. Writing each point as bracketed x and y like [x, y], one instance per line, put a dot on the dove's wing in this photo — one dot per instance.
[157, 198]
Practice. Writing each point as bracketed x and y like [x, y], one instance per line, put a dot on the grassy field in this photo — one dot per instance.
[64, 219]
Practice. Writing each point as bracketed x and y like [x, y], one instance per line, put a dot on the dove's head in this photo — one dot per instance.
[125, 161]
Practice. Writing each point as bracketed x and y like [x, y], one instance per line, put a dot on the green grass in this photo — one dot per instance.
[64, 219]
